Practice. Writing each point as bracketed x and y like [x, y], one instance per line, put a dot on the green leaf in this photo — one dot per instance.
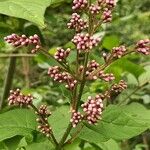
[73, 146]
[17, 122]
[110, 41]
[12, 143]
[144, 78]
[59, 121]
[126, 66]
[40, 146]
[141, 113]
[3, 146]
[109, 145]
[118, 122]
[26, 9]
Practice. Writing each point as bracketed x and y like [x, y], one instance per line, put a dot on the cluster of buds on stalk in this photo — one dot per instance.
[95, 9]
[106, 76]
[91, 66]
[77, 23]
[85, 42]
[118, 52]
[143, 46]
[76, 118]
[43, 114]
[16, 98]
[18, 41]
[118, 88]
[93, 109]
[19, 99]
[79, 4]
[62, 54]
[106, 8]
[62, 77]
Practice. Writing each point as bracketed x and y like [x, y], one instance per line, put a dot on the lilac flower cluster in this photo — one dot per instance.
[118, 52]
[92, 65]
[84, 42]
[76, 118]
[77, 23]
[107, 15]
[45, 129]
[62, 54]
[62, 77]
[43, 114]
[93, 109]
[79, 4]
[43, 110]
[106, 76]
[106, 7]
[16, 40]
[17, 98]
[118, 88]
[107, 3]
[95, 9]
[143, 46]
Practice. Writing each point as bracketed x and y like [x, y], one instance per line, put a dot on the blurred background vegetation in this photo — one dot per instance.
[131, 20]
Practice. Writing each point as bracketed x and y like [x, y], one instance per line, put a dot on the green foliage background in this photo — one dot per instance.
[126, 121]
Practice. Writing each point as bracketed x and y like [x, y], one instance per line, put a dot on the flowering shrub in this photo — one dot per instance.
[75, 78]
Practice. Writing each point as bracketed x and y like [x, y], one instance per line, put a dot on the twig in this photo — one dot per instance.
[16, 55]
[65, 67]
[109, 61]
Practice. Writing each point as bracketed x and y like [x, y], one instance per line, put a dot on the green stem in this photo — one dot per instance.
[82, 84]
[83, 80]
[63, 139]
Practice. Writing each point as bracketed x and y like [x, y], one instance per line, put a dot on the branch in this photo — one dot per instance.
[16, 55]
[108, 62]
[65, 67]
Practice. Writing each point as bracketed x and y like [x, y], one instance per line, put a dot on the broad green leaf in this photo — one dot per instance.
[110, 41]
[40, 146]
[12, 143]
[132, 81]
[91, 134]
[59, 121]
[73, 146]
[3, 146]
[141, 113]
[118, 122]
[22, 143]
[17, 122]
[144, 78]
[109, 145]
[126, 66]
[45, 62]
[26, 9]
